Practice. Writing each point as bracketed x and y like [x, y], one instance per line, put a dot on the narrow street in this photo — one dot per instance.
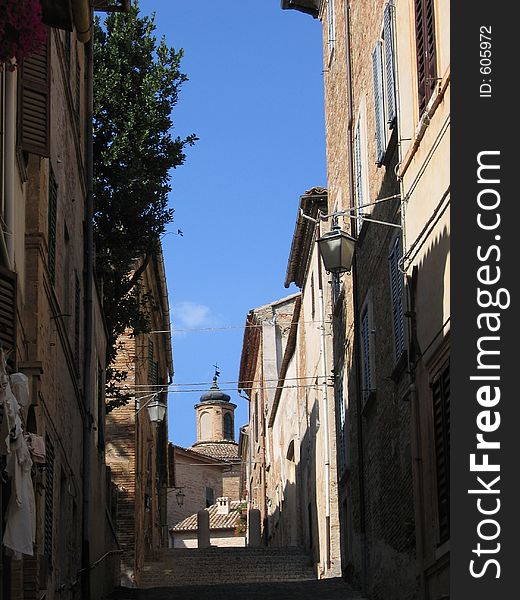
[325, 589]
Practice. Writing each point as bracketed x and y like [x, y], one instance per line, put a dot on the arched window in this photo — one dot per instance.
[228, 426]
[206, 432]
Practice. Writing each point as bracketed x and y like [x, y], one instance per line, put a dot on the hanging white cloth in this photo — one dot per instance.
[20, 529]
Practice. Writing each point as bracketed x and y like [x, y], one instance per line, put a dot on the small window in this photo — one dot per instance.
[228, 426]
[210, 497]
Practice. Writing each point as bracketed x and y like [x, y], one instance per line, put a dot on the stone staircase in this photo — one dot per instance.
[213, 566]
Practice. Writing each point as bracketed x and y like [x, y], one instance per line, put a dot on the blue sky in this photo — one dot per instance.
[255, 100]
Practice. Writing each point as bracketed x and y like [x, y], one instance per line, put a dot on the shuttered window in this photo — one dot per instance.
[388, 41]
[52, 209]
[383, 73]
[7, 309]
[77, 314]
[100, 408]
[396, 292]
[341, 407]
[34, 124]
[366, 350]
[78, 85]
[441, 431]
[331, 25]
[358, 164]
[49, 499]
[153, 365]
[379, 102]
[426, 51]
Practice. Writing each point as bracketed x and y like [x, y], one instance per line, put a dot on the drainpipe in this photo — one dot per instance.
[88, 324]
[10, 166]
[83, 19]
[323, 366]
[357, 366]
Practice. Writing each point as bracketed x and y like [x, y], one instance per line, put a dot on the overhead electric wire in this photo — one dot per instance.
[226, 327]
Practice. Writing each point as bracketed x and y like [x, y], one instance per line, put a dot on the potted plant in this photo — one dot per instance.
[22, 30]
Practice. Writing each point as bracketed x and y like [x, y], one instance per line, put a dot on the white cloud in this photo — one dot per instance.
[191, 315]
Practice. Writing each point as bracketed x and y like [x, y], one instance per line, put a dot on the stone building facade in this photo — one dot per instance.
[386, 75]
[136, 447]
[52, 328]
[290, 459]
[424, 173]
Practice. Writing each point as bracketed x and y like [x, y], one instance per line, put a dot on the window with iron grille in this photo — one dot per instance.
[49, 499]
[396, 292]
[52, 217]
[426, 51]
[441, 431]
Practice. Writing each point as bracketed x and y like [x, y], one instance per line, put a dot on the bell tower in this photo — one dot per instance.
[215, 415]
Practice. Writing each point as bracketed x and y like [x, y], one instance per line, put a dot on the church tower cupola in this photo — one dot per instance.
[215, 415]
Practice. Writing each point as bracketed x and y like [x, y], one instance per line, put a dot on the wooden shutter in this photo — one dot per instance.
[377, 72]
[388, 36]
[52, 209]
[396, 291]
[34, 125]
[365, 349]
[441, 431]
[153, 365]
[7, 309]
[358, 174]
[426, 51]
[77, 310]
[49, 499]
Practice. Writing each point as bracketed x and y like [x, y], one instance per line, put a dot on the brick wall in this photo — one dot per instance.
[380, 429]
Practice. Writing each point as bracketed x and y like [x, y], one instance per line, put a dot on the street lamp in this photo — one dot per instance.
[156, 410]
[337, 250]
[180, 495]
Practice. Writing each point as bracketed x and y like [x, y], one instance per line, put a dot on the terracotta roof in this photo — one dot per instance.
[220, 450]
[216, 521]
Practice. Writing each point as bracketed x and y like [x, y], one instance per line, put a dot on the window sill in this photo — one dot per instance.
[369, 403]
[400, 367]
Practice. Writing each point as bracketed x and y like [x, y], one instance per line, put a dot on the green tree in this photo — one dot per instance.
[136, 84]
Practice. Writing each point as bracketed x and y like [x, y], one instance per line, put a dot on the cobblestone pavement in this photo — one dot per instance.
[329, 589]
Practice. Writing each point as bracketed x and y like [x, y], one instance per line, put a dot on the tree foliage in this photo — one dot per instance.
[136, 83]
